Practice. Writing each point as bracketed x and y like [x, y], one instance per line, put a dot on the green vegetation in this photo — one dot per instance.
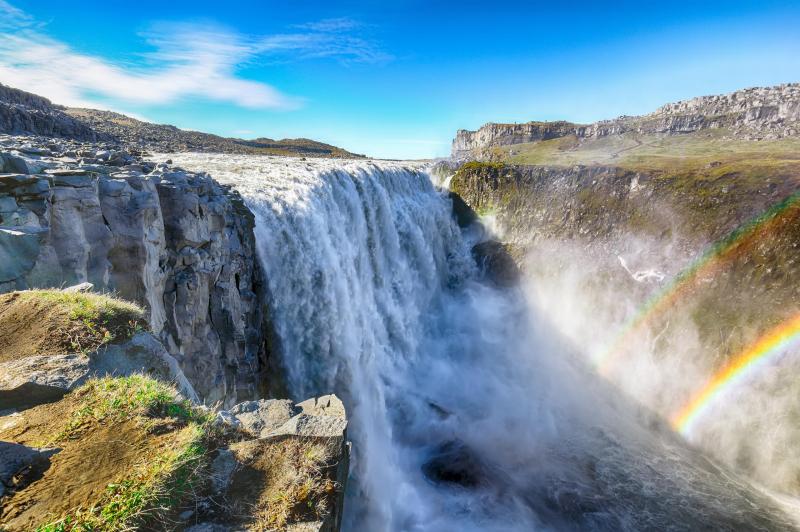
[477, 166]
[159, 482]
[707, 154]
[118, 399]
[100, 318]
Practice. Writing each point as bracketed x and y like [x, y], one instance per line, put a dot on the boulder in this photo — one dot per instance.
[261, 418]
[496, 263]
[40, 379]
[141, 354]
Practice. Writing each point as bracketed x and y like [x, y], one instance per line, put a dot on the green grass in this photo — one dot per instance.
[102, 319]
[150, 491]
[703, 153]
[158, 484]
[120, 398]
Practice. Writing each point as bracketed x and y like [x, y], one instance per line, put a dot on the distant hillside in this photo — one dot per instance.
[23, 113]
[750, 114]
[166, 138]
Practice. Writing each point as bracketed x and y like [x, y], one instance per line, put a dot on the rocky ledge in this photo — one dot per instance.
[175, 242]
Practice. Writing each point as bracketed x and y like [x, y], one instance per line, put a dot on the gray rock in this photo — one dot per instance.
[176, 242]
[13, 164]
[82, 287]
[326, 405]
[318, 426]
[222, 469]
[264, 416]
[40, 379]
[19, 249]
[226, 419]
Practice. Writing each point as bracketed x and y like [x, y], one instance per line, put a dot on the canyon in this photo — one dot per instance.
[385, 345]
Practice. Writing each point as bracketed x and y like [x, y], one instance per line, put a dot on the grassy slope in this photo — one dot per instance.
[43, 322]
[148, 449]
[707, 154]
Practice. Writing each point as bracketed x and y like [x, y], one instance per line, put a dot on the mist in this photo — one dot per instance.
[591, 299]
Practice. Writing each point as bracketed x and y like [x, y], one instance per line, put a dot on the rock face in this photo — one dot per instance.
[176, 242]
[771, 112]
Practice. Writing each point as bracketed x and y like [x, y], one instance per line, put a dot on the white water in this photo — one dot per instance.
[467, 411]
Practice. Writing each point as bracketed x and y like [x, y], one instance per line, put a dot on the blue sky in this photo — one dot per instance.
[395, 78]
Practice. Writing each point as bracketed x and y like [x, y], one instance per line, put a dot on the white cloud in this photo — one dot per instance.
[187, 61]
[330, 25]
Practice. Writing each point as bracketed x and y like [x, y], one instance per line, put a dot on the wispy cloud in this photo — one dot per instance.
[186, 61]
[330, 25]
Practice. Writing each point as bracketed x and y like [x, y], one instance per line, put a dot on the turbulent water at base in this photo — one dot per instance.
[467, 411]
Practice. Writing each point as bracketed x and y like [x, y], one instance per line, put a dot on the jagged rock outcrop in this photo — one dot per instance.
[176, 242]
[33, 380]
[755, 113]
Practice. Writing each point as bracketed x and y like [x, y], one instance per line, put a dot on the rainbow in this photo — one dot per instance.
[711, 260]
[770, 345]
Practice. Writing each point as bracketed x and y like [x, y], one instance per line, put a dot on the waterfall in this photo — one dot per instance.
[467, 411]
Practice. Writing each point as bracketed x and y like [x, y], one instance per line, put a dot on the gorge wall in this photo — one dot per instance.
[771, 112]
[176, 242]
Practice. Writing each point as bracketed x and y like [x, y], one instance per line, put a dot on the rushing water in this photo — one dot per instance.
[467, 411]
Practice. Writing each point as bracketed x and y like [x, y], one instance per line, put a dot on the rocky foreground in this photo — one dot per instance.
[180, 247]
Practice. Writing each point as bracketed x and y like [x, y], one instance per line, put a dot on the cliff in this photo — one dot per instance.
[662, 256]
[175, 242]
[755, 113]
